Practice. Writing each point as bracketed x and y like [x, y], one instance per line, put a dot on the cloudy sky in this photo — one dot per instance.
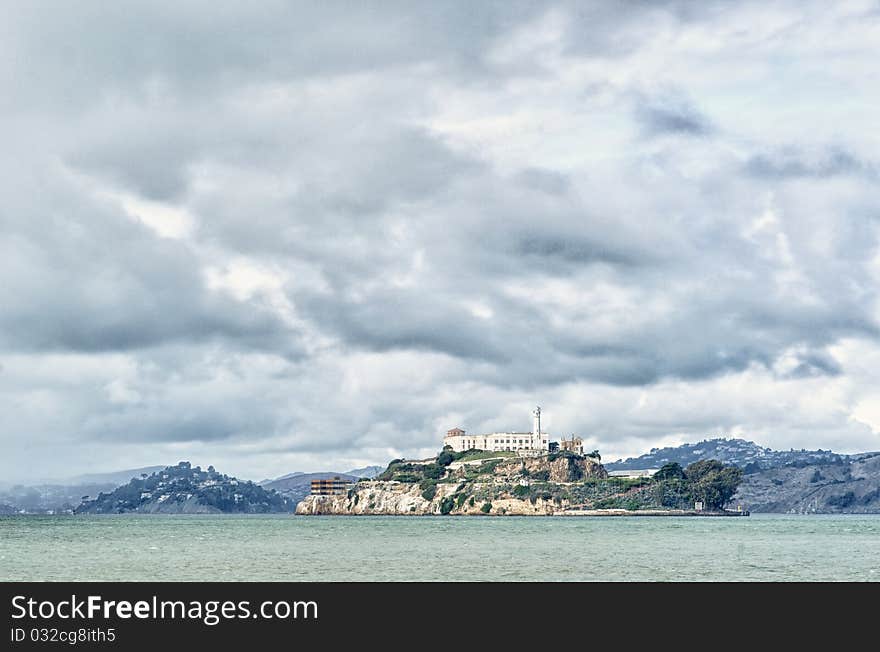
[301, 236]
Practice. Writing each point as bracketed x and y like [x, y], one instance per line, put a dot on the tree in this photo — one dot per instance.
[713, 483]
[595, 455]
[445, 458]
[670, 471]
[696, 471]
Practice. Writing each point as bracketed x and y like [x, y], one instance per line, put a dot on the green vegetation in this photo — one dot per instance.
[486, 508]
[712, 482]
[473, 454]
[446, 505]
[552, 457]
[445, 458]
[521, 491]
[671, 471]
[433, 471]
[429, 489]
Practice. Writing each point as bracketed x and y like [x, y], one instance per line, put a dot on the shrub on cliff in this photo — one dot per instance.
[521, 491]
[433, 471]
[446, 505]
[429, 489]
[486, 508]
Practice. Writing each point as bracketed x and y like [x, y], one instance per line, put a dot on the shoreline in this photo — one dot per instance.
[573, 513]
[648, 512]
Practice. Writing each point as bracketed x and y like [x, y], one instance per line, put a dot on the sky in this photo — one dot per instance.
[299, 236]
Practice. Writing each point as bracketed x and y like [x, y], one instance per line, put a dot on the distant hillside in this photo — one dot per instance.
[263, 483]
[792, 481]
[184, 489]
[64, 495]
[366, 471]
[747, 455]
[850, 485]
[115, 478]
[50, 498]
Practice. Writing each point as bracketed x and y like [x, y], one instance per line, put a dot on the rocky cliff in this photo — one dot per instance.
[399, 498]
[560, 469]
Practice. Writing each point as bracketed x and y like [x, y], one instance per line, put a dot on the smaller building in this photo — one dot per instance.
[575, 445]
[329, 487]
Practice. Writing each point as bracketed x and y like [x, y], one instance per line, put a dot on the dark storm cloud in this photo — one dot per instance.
[675, 116]
[548, 181]
[792, 163]
[574, 250]
[401, 319]
[86, 277]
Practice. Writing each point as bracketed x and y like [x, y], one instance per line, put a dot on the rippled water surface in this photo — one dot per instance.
[342, 548]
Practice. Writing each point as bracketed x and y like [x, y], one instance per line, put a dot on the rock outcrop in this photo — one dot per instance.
[397, 498]
[562, 468]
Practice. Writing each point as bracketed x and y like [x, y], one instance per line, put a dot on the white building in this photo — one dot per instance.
[633, 473]
[536, 441]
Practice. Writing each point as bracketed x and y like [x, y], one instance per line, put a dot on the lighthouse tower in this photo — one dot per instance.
[536, 430]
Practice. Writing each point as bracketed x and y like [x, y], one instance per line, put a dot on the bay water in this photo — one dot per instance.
[761, 547]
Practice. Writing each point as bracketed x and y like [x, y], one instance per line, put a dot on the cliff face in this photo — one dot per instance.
[398, 498]
[561, 469]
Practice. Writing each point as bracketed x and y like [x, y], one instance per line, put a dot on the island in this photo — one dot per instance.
[527, 483]
[187, 489]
